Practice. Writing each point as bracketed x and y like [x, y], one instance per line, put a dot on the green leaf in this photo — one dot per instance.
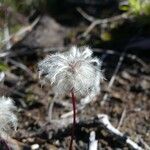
[135, 6]
[146, 8]
[3, 67]
[124, 7]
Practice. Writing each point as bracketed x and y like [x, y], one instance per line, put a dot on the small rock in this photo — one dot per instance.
[48, 33]
[145, 85]
[126, 75]
[35, 146]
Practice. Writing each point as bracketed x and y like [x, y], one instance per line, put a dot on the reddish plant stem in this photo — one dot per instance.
[74, 118]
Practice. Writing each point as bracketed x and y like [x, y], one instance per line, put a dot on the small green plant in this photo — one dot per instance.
[134, 6]
[137, 7]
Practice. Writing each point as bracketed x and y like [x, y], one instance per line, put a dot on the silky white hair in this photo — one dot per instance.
[8, 120]
[75, 69]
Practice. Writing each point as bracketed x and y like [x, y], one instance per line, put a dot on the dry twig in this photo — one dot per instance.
[95, 22]
[101, 122]
[7, 36]
[18, 36]
[111, 82]
[122, 118]
[93, 143]
[22, 66]
[105, 121]
[147, 147]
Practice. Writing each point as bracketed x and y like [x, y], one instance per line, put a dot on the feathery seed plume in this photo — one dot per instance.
[8, 120]
[74, 69]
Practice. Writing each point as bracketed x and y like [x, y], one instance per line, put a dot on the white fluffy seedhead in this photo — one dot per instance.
[8, 120]
[74, 69]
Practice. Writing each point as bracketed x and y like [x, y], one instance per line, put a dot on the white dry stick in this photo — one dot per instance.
[2, 76]
[64, 104]
[4, 54]
[147, 147]
[113, 77]
[7, 36]
[70, 113]
[93, 143]
[105, 121]
[62, 123]
[50, 111]
[122, 119]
